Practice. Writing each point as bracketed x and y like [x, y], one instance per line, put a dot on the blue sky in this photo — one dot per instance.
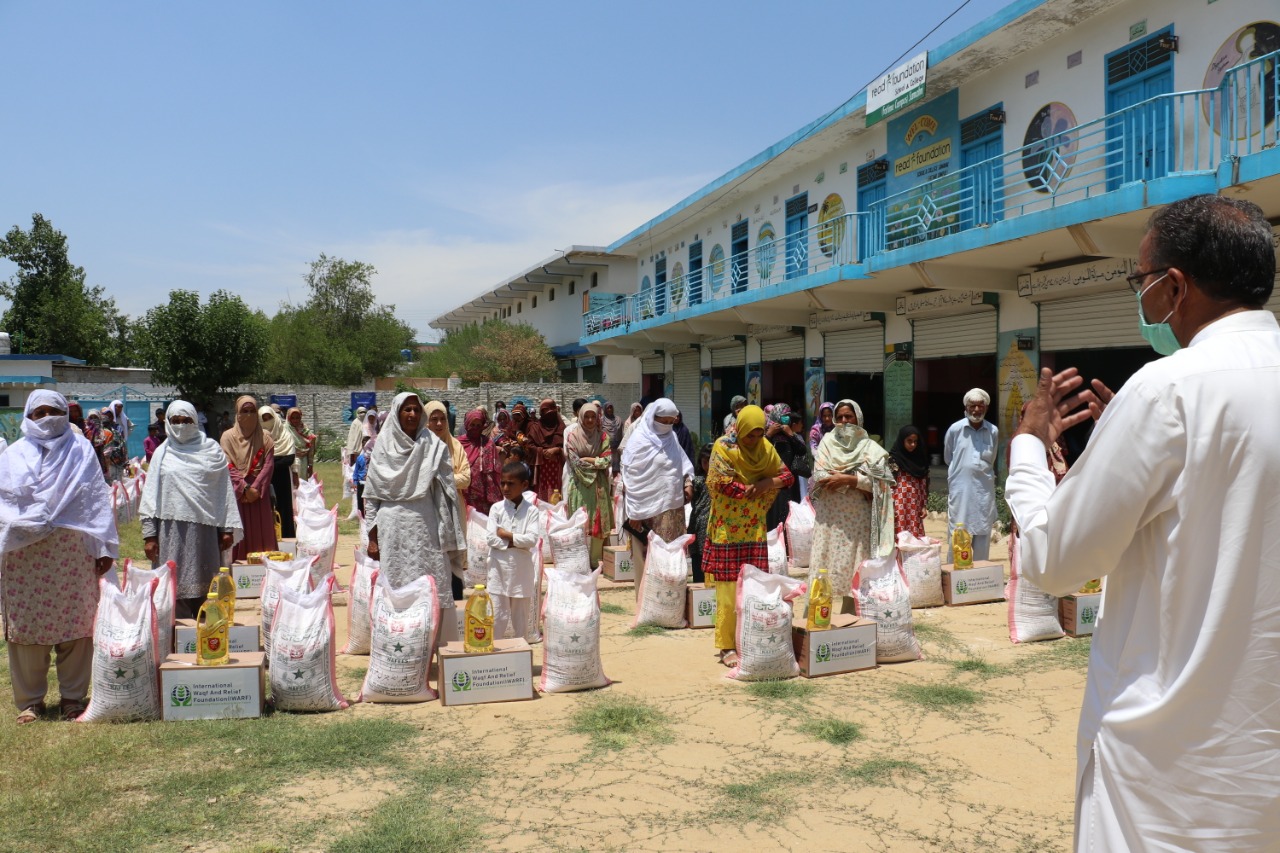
[213, 146]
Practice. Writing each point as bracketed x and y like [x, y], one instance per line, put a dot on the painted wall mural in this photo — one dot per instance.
[1052, 152]
[1016, 377]
[716, 268]
[833, 228]
[677, 285]
[704, 403]
[1249, 42]
[767, 252]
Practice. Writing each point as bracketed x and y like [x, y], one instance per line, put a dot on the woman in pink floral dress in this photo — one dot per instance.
[57, 536]
[909, 460]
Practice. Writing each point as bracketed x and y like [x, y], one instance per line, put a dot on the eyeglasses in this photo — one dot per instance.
[1140, 278]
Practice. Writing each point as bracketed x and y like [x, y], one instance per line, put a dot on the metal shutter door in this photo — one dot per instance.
[734, 356]
[967, 334]
[687, 398]
[1090, 322]
[782, 349]
[855, 350]
[651, 365]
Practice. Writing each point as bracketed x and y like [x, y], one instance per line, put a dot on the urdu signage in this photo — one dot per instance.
[1103, 274]
[938, 302]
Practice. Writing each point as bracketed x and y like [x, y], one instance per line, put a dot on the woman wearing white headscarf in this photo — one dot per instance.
[657, 479]
[282, 477]
[188, 509]
[57, 536]
[123, 424]
[411, 502]
[852, 501]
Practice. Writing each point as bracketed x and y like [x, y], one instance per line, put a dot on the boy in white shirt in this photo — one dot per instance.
[515, 527]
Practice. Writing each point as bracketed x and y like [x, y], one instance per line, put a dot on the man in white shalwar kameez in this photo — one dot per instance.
[969, 450]
[1176, 501]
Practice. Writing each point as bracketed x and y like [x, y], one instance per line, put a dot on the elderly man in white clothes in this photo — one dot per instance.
[1176, 501]
[969, 450]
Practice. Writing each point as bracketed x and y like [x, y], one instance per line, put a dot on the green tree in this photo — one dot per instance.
[52, 309]
[340, 336]
[494, 351]
[202, 349]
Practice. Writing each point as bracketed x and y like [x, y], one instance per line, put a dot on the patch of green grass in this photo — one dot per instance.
[425, 818]
[102, 787]
[613, 609]
[765, 799]
[928, 632]
[834, 731]
[784, 690]
[645, 631]
[1066, 653]
[938, 697]
[977, 666]
[881, 771]
[131, 542]
[615, 722]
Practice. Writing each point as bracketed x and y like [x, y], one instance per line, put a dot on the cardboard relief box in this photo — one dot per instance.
[451, 625]
[983, 583]
[240, 638]
[1079, 613]
[847, 646]
[700, 606]
[191, 692]
[248, 578]
[619, 565]
[472, 678]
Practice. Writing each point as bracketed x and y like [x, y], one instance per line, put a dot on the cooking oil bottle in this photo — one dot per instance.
[279, 525]
[1091, 587]
[224, 587]
[212, 647]
[479, 637]
[820, 602]
[961, 548]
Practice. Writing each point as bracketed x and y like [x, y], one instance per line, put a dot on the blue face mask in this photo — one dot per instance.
[1159, 335]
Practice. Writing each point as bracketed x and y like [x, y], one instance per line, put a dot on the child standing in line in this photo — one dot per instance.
[514, 528]
[701, 511]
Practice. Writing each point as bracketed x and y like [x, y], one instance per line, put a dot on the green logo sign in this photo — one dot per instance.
[1087, 615]
[190, 647]
[962, 587]
[824, 653]
[180, 696]
[461, 681]
[243, 583]
[706, 608]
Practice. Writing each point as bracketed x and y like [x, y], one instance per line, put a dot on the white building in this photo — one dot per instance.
[979, 231]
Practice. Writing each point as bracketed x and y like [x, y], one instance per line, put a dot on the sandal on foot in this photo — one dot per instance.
[730, 658]
[28, 715]
[71, 710]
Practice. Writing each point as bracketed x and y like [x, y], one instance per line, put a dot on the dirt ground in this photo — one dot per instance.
[735, 770]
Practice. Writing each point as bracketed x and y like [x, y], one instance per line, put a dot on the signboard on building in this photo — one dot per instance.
[938, 302]
[898, 89]
[1104, 274]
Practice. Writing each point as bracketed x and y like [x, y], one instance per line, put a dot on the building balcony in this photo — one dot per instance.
[1144, 155]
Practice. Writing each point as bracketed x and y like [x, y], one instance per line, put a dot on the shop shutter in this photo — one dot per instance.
[855, 350]
[965, 334]
[652, 364]
[1097, 321]
[687, 380]
[782, 349]
[734, 356]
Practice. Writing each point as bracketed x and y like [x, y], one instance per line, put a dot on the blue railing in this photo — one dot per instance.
[1176, 134]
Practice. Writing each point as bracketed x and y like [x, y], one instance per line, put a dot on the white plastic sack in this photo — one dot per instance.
[294, 574]
[348, 487]
[1033, 613]
[318, 537]
[880, 589]
[126, 654]
[477, 548]
[661, 598]
[922, 564]
[570, 545]
[405, 623]
[800, 533]
[571, 633]
[359, 600]
[302, 673]
[777, 552]
[165, 599]
[765, 650]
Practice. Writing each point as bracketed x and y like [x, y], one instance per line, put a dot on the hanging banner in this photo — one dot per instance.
[704, 415]
[814, 377]
[753, 384]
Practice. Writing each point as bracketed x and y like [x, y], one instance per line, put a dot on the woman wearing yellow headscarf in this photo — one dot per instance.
[437, 415]
[745, 475]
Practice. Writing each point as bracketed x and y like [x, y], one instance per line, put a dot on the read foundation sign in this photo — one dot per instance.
[898, 89]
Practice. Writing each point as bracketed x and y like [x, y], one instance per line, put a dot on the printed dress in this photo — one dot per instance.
[909, 497]
[841, 535]
[49, 591]
[736, 531]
